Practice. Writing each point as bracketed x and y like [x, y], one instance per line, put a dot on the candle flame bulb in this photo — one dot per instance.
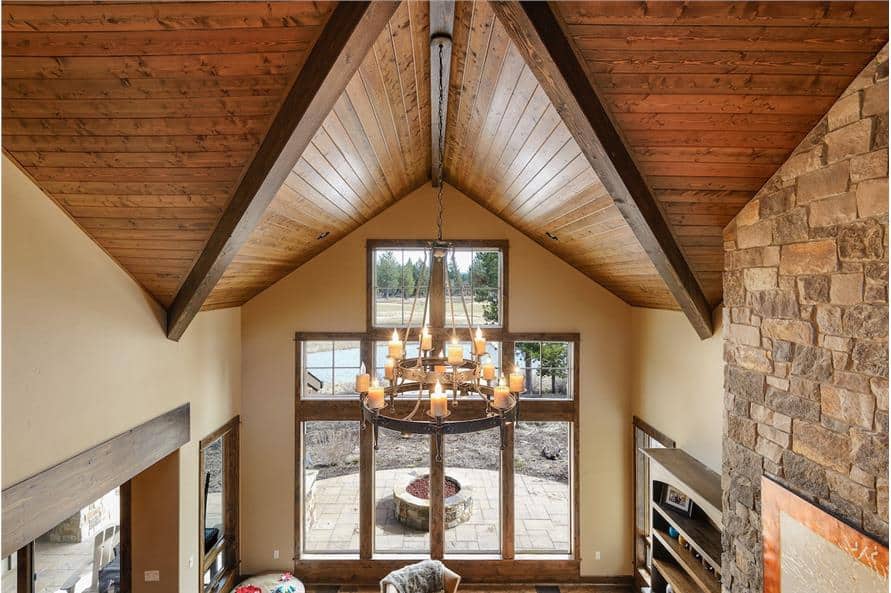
[439, 406]
[517, 381]
[479, 343]
[395, 336]
[362, 368]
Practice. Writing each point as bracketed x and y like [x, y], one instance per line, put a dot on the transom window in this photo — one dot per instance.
[359, 504]
[470, 285]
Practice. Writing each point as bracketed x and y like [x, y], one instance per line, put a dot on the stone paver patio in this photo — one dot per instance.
[541, 508]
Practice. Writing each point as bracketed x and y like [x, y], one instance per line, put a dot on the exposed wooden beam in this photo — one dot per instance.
[342, 45]
[35, 505]
[536, 31]
[442, 21]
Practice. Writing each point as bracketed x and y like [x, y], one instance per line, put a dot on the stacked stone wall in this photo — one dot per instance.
[806, 330]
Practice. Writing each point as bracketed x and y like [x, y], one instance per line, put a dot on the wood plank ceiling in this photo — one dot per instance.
[713, 96]
[372, 150]
[139, 119]
[508, 149]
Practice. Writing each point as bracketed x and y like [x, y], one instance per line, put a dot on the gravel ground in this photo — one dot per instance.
[333, 449]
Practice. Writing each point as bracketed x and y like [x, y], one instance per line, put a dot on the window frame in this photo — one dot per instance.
[436, 288]
[229, 541]
[368, 564]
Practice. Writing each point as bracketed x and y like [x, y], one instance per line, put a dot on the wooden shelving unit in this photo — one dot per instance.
[684, 566]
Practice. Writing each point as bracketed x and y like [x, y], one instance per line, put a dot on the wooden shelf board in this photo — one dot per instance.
[700, 533]
[690, 472]
[678, 579]
[693, 567]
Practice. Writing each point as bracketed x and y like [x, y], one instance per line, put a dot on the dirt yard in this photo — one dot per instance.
[333, 449]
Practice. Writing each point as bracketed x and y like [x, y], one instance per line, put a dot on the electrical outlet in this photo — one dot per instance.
[597, 555]
[275, 554]
[152, 576]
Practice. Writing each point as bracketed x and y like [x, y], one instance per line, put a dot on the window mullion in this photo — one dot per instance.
[437, 497]
[507, 493]
[366, 492]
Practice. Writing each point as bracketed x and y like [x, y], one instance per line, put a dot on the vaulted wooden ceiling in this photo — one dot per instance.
[372, 149]
[142, 119]
[139, 118]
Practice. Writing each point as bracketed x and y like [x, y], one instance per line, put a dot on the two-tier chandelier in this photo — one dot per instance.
[445, 379]
[447, 373]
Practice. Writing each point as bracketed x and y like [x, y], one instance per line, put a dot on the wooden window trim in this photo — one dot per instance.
[230, 541]
[339, 409]
[366, 566]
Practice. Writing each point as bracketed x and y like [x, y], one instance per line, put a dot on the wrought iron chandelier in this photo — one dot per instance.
[436, 375]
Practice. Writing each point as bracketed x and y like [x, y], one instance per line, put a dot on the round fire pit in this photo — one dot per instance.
[413, 502]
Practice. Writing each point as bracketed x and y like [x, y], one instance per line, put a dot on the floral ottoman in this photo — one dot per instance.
[272, 582]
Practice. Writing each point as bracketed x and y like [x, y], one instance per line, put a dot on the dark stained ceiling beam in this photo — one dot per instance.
[442, 21]
[535, 29]
[343, 43]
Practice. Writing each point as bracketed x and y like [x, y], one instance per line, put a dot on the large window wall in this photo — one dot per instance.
[518, 504]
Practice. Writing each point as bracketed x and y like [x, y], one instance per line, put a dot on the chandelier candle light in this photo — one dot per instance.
[434, 376]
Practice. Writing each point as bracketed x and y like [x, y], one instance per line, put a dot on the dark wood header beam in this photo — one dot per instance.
[342, 45]
[35, 505]
[442, 22]
[536, 31]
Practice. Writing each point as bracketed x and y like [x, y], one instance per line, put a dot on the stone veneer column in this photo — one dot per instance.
[806, 342]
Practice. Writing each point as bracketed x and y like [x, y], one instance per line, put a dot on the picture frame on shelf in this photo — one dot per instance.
[677, 500]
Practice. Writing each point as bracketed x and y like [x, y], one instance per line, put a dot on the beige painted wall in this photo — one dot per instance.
[85, 356]
[677, 381]
[328, 293]
[155, 524]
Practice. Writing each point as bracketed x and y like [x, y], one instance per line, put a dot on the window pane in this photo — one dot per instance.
[330, 368]
[213, 494]
[486, 269]
[548, 368]
[486, 307]
[64, 556]
[401, 278]
[388, 269]
[346, 354]
[331, 487]
[319, 381]
[478, 273]
[413, 307]
[473, 468]
[388, 307]
[541, 486]
[9, 574]
[399, 520]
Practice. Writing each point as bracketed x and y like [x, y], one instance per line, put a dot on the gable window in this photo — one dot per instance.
[360, 504]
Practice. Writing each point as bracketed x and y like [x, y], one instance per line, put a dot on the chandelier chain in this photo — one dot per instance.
[441, 144]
